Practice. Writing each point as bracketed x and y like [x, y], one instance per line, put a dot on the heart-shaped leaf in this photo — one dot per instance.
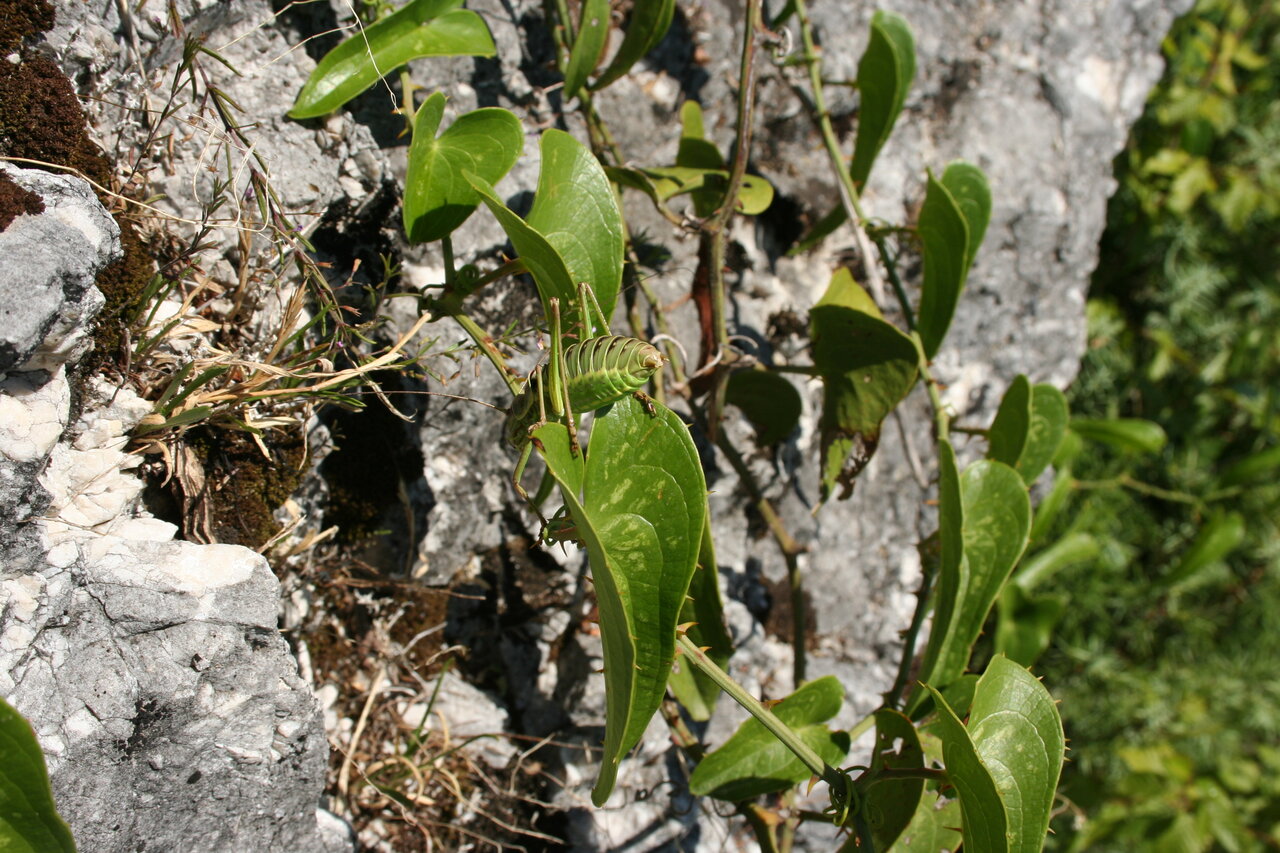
[422, 28]
[753, 762]
[29, 822]
[769, 401]
[574, 230]
[867, 366]
[639, 504]
[437, 199]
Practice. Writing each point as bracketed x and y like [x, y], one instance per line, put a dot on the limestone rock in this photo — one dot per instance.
[47, 297]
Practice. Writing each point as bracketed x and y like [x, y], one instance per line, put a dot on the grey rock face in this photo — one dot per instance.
[168, 704]
[47, 295]
[1039, 93]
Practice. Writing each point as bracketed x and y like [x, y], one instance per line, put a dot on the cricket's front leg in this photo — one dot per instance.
[516, 476]
[646, 401]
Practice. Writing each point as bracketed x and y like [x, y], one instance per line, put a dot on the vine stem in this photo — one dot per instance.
[848, 192]
[767, 718]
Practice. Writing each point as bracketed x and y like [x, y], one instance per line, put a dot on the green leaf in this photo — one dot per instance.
[1133, 435]
[1025, 624]
[1071, 549]
[703, 606]
[1008, 433]
[867, 366]
[1028, 427]
[1018, 735]
[989, 506]
[574, 230]
[1261, 464]
[697, 152]
[576, 211]
[934, 827]
[647, 25]
[437, 199]
[1219, 537]
[754, 195]
[983, 819]
[769, 401]
[945, 238]
[422, 28]
[1049, 416]
[29, 821]
[753, 762]
[968, 186]
[891, 804]
[885, 72]
[588, 45]
[639, 503]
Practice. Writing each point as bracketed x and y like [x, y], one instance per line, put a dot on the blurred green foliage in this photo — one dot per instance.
[1165, 654]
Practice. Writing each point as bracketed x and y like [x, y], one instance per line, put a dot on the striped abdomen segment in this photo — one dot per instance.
[605, 369]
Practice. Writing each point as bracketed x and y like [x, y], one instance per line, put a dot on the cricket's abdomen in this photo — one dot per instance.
[605, 369]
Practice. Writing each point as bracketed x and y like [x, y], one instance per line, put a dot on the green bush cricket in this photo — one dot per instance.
[582, 377]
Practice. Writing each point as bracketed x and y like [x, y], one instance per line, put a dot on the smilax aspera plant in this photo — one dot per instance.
[960, 756]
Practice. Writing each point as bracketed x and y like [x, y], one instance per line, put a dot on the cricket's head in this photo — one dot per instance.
[522, 415]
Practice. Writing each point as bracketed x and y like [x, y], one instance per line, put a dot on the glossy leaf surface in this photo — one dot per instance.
[885, 72]
[1028, 427]
[437, 198]
[1008, 433]
[29, 822]
[984, 823]
[422, 28]
[769, 401]
[944, 236]
[968, 186]
[639, 503]
[588, 44]
[935, 826]
[867, 366]
[574, 229]
[1016, 730]
[648, 23]
[754, 762]
[989, 509]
